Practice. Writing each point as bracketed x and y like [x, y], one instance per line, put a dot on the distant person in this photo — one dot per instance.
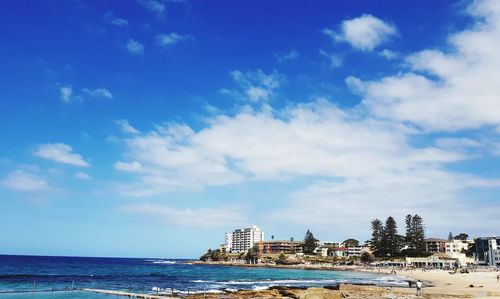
[419, 288]
[498, 278]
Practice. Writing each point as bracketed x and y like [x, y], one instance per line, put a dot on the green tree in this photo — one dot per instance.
[351, 242]
[410, 232]
[377, 235]
[366, 257]
[418, 234]
[281, 259]
[390, 239]
[461, 236]
[450, 237]
[309, 242]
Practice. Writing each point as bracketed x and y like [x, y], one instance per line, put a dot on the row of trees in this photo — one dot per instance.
[386, 241]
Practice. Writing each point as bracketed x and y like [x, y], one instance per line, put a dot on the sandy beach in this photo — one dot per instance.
[437, 284]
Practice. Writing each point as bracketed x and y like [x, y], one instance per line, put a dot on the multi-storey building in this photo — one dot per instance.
[457, 246]
[488, 251]
[435, 245]
[240, 240]
[280, 246]
[228, 242]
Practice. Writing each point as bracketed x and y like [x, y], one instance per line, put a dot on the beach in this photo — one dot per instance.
[437, 284]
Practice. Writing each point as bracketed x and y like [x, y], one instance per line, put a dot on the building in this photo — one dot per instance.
[436, 261]
[457, 246]
[242, 239]
[280, 246]
[488, 251]
[357, 250]
[228, 242]
[435, 245]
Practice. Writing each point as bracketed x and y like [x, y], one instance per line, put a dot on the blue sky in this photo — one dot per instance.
[152, 127]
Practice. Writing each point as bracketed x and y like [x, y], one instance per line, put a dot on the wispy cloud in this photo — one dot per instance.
[255, 86]
[334, 60]
[61, 153]
[135, 47]
[69, 95]
[288, 56]
[171, 38]
[82, 175]
[21, 180]
[364, 33]
[154, 6]
[119, 22]
[98, 93]
[66, 93]
[126, 127]
[206, 218]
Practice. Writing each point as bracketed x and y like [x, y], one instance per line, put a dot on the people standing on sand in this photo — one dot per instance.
[498, 278]
[419, 288]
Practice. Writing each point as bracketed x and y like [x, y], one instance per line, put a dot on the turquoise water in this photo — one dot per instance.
[27, 273]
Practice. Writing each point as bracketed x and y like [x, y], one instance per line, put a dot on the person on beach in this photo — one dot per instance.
[419, 288]
[498, 277]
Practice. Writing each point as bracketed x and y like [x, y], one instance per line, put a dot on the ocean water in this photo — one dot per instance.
[51, 276]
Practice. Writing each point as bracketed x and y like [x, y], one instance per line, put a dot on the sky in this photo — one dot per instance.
[152, 127]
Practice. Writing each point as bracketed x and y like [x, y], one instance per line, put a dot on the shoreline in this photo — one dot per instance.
[437, 283]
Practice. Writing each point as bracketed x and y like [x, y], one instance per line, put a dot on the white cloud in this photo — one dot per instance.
[61, 153]
[388, 54]
[364, 33]
[154, 6]
[66, 92]
[128, 166]
[119, 22]
[334, 61]
[446, 90]
[21, 180]
[305, 140]
[290, 55]
[126, 127]
[206, 218]
[68, 95]
[171, 39]
[255, 86]
[98, 93]
[82, 176]
[135, 47]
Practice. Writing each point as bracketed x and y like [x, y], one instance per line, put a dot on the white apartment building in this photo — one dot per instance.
[228, 242]
[242, 239]
[457, 246]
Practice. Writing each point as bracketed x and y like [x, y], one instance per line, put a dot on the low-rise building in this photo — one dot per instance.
[436, 261]
[488, 251]
[435, 245]
[280, 246]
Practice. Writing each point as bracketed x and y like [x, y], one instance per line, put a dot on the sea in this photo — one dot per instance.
[42, 277]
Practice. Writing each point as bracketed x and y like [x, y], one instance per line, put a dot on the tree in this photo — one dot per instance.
[461, 236]
[376, 240]
[281, 259]
[450, 237]
[410, 232]
[418, 234]
[390, 239]
[351, 242]
[309, 242]
[252, 255]
[366, 257]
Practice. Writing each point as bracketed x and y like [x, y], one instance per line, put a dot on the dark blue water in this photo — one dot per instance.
[27, 273]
